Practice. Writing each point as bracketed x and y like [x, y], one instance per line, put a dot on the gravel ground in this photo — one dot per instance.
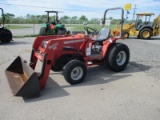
[104, 95]
[145, 55]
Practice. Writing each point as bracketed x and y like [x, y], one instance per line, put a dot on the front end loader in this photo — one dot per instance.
[69, 54]
[143, 28]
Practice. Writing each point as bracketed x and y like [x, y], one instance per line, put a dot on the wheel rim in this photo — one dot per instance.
[145, 34]
[125, 35]
[76, 73]
[121, 58]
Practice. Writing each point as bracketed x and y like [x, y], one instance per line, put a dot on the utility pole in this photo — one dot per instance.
[134, 12]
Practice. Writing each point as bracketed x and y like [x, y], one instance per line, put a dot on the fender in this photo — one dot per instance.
[107, 43]
[146, 26]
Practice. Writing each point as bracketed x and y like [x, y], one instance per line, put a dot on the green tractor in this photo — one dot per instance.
[5, 34]
[52, 27]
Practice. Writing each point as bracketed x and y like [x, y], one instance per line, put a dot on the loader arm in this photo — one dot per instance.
[38, 41]
[36, 45]
[54, 48]
[156, 24]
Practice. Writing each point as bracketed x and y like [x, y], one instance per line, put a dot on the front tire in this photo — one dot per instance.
[118, 57]
[125, 34]
[74, 72]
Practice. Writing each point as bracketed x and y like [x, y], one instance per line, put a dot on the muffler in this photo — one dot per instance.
[22, 79]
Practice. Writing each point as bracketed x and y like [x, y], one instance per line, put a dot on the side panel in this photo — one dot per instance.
[38, 40]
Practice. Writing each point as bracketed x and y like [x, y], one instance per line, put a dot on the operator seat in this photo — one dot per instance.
[102, 35]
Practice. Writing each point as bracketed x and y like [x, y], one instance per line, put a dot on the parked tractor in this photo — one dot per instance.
[52, 27]
[69, 54]
[142, 28]
[5, 34]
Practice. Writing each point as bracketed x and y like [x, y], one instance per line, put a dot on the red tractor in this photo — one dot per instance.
[72, 54]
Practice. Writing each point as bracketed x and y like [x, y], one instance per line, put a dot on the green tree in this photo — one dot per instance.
[28, 16]
[74, 20]
[94, 21]
[8, 17]
[110, 18]
[83, 18]
[65, 19]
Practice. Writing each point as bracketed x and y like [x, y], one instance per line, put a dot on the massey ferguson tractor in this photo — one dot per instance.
[70, 54]
[5, 34]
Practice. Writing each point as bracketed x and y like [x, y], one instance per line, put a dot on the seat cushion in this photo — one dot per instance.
[103, 34]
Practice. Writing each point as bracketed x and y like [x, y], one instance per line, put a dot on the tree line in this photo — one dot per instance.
[39, 19]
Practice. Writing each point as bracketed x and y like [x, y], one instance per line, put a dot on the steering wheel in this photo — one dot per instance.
[88, 30]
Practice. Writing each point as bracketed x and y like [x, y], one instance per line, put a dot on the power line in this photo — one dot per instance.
[23, 5]
[47, 7]
[56, 8]
[72, 10]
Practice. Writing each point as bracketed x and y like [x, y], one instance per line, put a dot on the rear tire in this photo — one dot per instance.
[62, 31]
[8, 35]
[74, 72]
[5, 35]
[42, 31]
[145, 33]
[118, 57]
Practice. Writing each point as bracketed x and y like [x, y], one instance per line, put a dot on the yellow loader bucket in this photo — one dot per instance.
[22, 79]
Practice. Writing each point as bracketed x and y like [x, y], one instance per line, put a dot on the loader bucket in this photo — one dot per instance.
[22, 79]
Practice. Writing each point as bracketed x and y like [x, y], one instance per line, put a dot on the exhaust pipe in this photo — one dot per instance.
[22, 79]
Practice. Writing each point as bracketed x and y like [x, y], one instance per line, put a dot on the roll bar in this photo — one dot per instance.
[122, 20]
[3, 18]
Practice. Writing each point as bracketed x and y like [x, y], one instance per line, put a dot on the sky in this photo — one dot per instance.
[89, 8]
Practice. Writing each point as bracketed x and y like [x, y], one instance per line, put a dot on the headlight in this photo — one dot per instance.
[45, 44]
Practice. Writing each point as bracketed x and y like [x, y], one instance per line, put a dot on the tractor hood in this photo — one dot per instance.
[60, 25]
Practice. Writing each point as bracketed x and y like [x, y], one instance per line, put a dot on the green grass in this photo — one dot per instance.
[18, 36]
[78, 27]
[16, 26]
[81, 27]
[25, 36]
